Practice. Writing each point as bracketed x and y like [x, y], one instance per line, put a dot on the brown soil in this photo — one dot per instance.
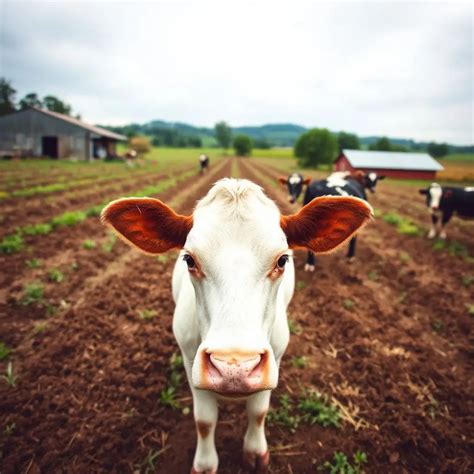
[396, 359]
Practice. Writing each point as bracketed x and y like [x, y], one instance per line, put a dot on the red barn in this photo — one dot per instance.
[389, 163]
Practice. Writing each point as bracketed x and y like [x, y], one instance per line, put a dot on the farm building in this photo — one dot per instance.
[389, 163]
[38, 132]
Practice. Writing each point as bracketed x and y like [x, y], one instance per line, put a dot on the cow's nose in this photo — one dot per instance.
[235, 372]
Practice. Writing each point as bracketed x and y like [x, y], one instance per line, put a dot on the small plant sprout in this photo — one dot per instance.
[176, 361]
[11, 244]
[373, 275]
[74, 266]
[40, 327]
[299, 362]
[9, 429]
[316, 408]
[149, 461]
[9, 377]
[5, 351]
[467, 280]
[89, 244]
[294, 327]
[109, 244]
[470, 309]
[162, 258]
[437, 325]
[300, 285]
[283, 415]
[168, 397]
[147, 314]
[56, 275]
[340, 464]
[348, 303]
[404, 257]
[33, 263]
[32, 293]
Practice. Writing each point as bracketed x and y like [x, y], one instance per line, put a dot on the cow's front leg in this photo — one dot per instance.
[352, 250]
[445, 219]
[205, 417]
[310, 262]
[256, 455]
[434, 222]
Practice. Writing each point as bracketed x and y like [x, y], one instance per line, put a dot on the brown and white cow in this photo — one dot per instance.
[232, 283]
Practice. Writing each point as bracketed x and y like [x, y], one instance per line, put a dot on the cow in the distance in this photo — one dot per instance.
[232, 283]
[204, 163]
[445, 201]
[339, 183]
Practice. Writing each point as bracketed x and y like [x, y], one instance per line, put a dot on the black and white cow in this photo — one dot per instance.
[295, 183]
[340, 183]
[443, 202]
[204, 163]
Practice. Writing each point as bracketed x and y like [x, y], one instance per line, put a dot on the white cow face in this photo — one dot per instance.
[433, 197]
[236, 253]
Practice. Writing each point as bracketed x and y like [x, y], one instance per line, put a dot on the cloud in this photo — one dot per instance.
[401, 69]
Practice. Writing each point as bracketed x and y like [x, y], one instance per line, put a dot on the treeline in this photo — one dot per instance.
[9, 104]
[319, 146]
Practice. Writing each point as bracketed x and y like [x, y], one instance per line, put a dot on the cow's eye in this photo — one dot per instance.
[282, 261]
[189, 261]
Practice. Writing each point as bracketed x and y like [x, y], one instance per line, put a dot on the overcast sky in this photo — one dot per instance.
[403, 69]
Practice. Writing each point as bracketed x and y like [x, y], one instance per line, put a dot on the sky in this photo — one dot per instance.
[402, 69]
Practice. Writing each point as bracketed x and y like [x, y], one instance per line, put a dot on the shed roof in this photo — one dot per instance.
[391, 160]
[79, 123]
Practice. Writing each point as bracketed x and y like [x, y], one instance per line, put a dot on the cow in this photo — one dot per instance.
[443, 202]
[339, 183]
[204, 163]
[231, 284]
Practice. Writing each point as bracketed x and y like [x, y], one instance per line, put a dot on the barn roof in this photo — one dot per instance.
[79, 123]
[391, 160]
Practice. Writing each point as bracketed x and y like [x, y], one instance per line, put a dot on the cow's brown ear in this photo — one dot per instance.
[326, 222]
[423, 191]
[306, 181]
[147, 223]
[283, 180]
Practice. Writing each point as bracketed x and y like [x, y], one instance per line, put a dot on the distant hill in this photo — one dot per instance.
[273, 135]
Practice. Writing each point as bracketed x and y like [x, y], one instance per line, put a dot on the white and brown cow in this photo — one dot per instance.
[232, 283]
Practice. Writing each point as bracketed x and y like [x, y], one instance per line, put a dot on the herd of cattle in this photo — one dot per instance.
[235, 277]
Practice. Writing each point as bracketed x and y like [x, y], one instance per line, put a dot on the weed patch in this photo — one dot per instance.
[340, 464]
[11, 244]
[56, 275]
[5, 351]
[89, 244]
[32, 293]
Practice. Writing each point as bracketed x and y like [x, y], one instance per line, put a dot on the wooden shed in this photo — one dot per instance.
[38, 132]
[389, 163]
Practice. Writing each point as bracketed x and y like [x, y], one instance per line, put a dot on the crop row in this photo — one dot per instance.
[14, 242]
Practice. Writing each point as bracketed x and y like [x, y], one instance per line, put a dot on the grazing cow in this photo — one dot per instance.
[443, 202]
[204, 163]
[339, 183]
[232, 283]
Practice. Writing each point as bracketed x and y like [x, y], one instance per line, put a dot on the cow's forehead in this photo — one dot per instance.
[294, 179]
[372, 176]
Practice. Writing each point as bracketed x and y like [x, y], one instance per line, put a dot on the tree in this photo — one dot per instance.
[243, 145]
[315, 147]
[348, 141]
[437, 150]
[382, 144]
[140, 144]
[30, 100]
[223, 134]
[7, 97]
[56, 105]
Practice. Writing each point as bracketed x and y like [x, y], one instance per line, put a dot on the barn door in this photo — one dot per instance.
[49, 147]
